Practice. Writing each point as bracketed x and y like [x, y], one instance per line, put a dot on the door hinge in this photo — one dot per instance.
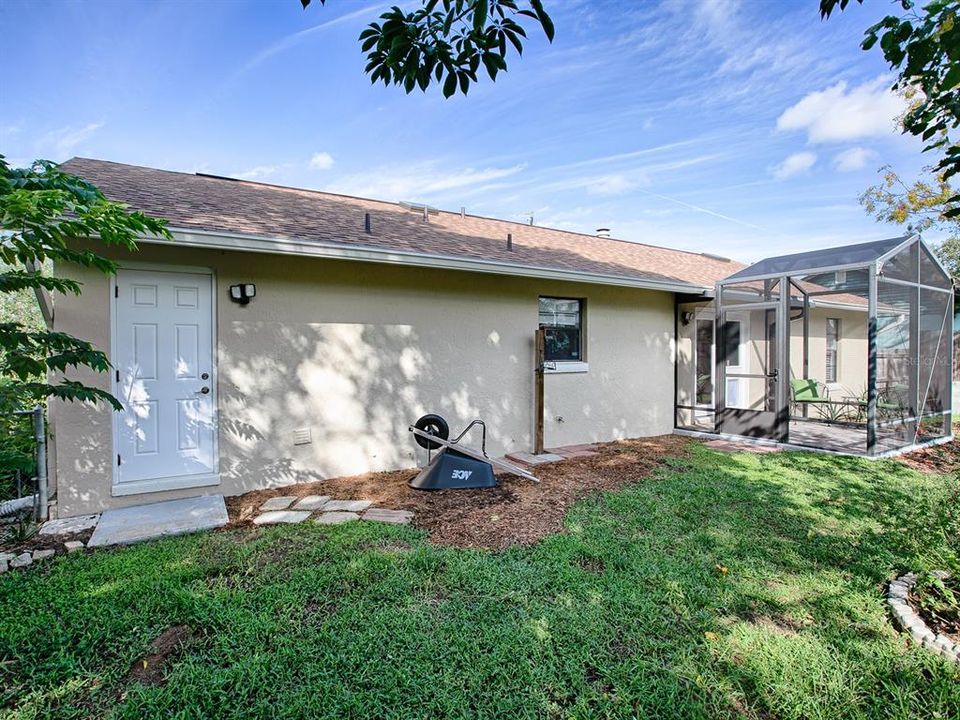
[119, 461]
[118, 376]
[116, 291]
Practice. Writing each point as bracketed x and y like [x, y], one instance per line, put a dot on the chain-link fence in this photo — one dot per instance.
[23, 472]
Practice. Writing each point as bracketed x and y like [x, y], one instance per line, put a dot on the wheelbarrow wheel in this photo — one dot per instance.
[432, 425]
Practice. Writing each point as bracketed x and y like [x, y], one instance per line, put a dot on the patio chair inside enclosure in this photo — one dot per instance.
[806, 393]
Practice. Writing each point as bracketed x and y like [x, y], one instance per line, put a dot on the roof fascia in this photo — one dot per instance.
[286, 246]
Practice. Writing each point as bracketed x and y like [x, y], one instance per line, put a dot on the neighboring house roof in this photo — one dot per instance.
[307, 219]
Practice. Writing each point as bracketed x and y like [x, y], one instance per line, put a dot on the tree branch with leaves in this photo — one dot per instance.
[447, 41]
[42, 212]
[923, 46]
[929, 203]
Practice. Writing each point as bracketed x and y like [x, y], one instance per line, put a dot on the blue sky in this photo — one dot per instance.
[744, 128]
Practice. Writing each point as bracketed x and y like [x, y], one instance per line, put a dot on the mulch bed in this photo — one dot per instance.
[44, 542]
[943, 459]
[516, 512]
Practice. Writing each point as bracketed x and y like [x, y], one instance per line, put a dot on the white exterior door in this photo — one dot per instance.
[164, 377]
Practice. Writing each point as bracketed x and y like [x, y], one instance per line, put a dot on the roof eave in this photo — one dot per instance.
[336, 251]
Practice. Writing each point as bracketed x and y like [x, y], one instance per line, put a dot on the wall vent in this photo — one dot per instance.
[302, 436]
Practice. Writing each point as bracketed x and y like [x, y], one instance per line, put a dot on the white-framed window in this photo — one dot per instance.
[833, 350]
[562, 319]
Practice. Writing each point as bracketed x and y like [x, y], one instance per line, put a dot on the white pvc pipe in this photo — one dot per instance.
[9, 507]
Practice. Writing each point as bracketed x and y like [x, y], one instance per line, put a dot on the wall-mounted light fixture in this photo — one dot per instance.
[243, 293]
[686, 317]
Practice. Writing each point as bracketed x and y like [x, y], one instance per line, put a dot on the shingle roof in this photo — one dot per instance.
[202, 202]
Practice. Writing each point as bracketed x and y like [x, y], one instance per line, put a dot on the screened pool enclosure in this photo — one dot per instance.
[847, 349]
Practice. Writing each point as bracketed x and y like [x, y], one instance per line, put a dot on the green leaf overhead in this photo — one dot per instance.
[43, 212]
[446, 41]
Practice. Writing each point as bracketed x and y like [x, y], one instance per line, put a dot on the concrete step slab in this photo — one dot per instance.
[67, 526]
[531, 460]
[591, 447]
[146, 522]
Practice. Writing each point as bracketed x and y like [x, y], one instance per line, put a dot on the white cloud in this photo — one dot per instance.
[839, 114]
[58, 144]
[321, 161]
[795, 164]
[259, 172]
[418, 182]
[615, 184]
[853, 159]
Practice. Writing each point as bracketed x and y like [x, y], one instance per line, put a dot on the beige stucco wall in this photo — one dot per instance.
[357, 351]
[852, 350]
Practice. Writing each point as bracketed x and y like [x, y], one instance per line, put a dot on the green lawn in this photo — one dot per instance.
[626, 615]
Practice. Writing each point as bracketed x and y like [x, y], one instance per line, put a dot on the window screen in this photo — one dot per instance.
[733, 341]
[704, 362]
[562, 318]
[833, 347]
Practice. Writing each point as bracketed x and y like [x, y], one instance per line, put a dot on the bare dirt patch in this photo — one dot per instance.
[149, 669]
[391, 547]
[595, 566]
[516, 512]
[779, 625]
[316, 612]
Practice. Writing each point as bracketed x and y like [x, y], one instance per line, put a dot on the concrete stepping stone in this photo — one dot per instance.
[275, 517]
[531, 460]
[312, 502]
[353, 506]
[395, 517]
[337, 517]
[66, 526]
[278, 503]
[171, 517]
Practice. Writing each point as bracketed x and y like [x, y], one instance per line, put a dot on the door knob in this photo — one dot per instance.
[204, 390]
